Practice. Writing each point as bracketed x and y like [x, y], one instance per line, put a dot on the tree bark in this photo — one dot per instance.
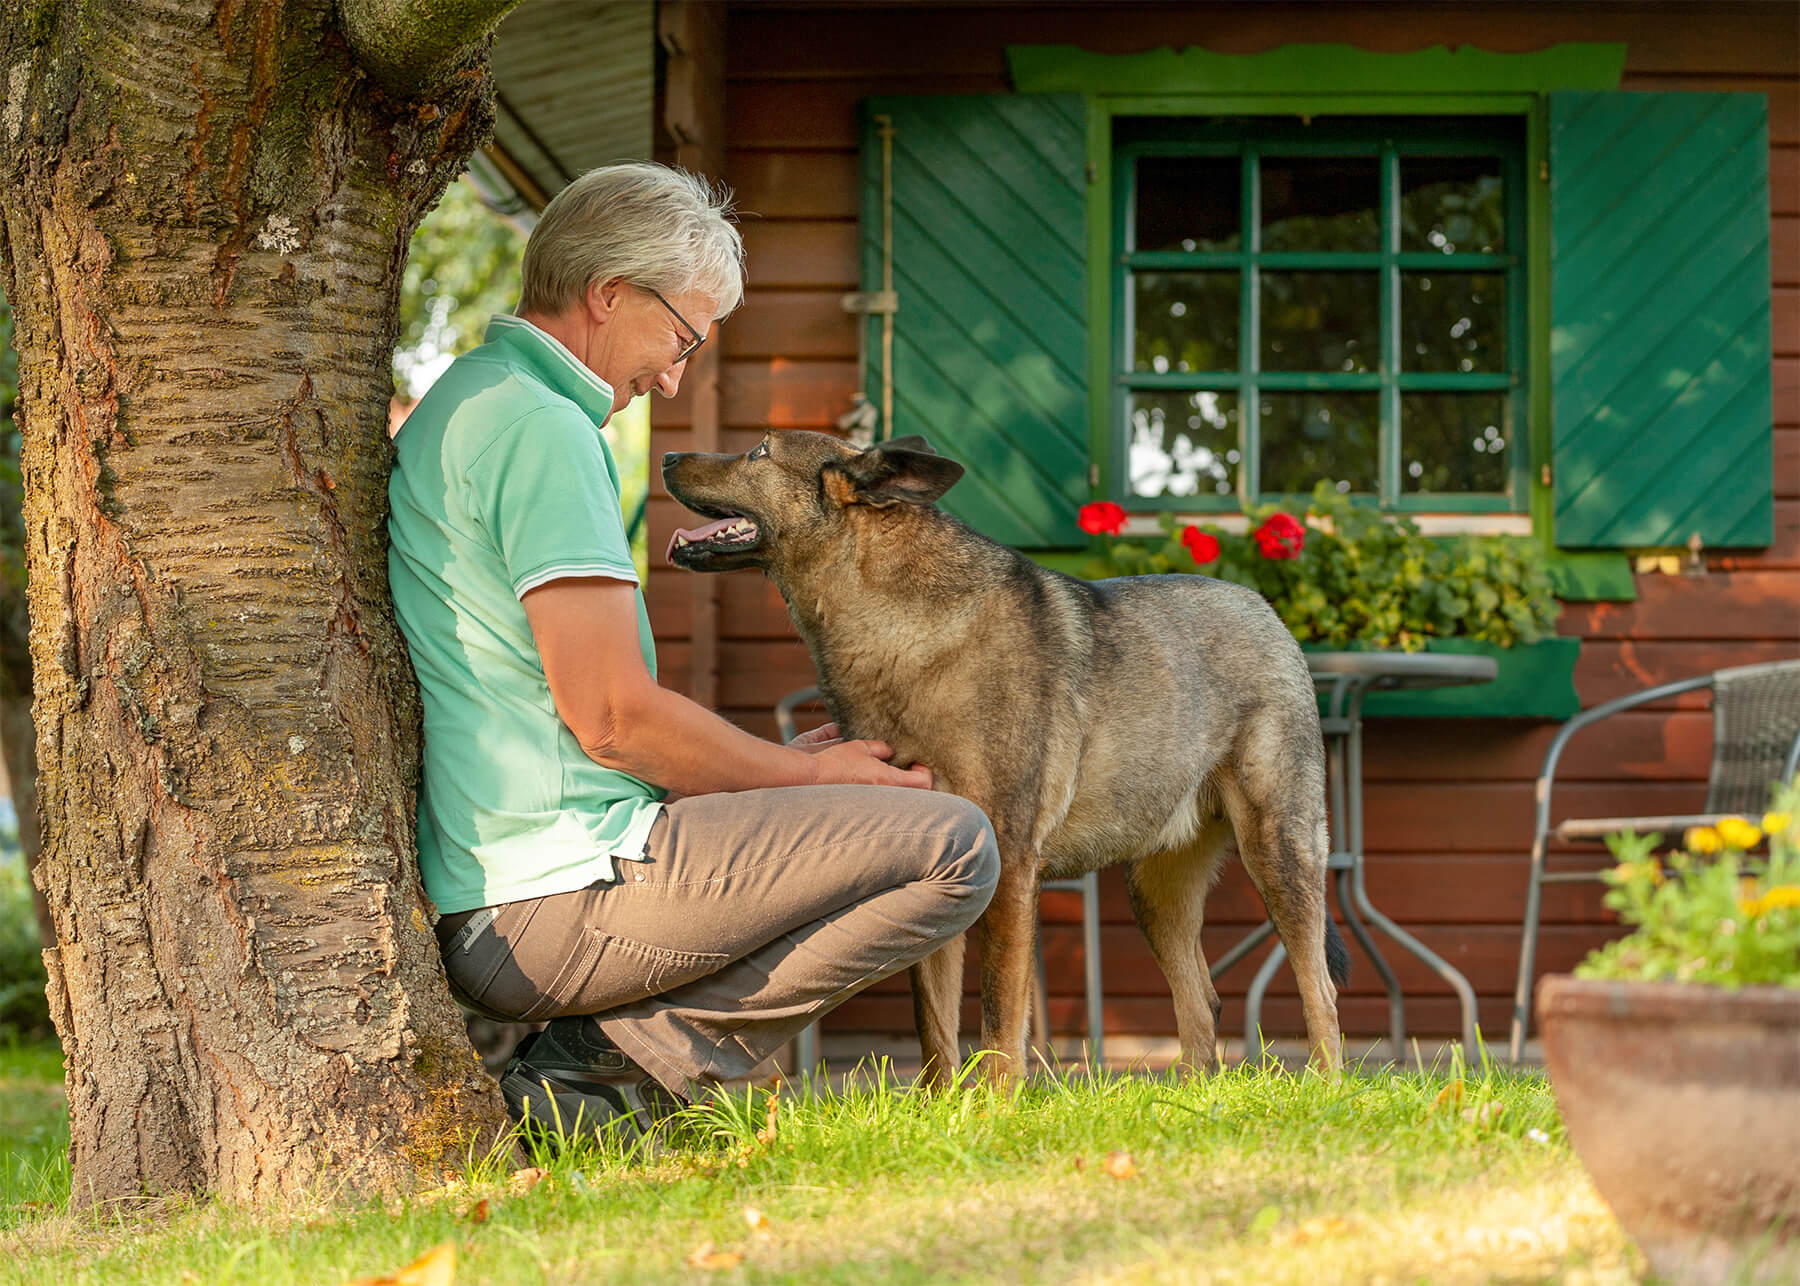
[206, 211]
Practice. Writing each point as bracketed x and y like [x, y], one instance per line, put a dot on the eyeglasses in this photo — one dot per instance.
[695, 338]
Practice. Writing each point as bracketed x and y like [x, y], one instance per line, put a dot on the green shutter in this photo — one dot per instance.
[990, 265]
[1659, 301]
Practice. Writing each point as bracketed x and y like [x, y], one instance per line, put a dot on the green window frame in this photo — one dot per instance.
[1388, 140]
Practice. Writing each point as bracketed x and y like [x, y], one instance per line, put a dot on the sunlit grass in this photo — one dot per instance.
[1256, 1175]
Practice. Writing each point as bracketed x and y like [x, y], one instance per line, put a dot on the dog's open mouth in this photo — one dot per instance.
[727, 535]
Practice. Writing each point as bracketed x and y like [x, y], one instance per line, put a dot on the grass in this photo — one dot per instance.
[1253, 1176]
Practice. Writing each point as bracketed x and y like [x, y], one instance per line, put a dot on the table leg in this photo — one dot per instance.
[1346, 884]
[1438, 965]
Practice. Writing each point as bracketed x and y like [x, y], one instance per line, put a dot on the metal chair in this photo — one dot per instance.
[806, 1044]
[1756, 741]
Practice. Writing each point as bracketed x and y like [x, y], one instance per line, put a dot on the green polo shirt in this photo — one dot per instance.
[502, 483]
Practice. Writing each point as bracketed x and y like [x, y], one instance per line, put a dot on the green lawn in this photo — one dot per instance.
[1251, 1176]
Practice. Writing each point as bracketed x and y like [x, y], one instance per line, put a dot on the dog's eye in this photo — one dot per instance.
[758, 451]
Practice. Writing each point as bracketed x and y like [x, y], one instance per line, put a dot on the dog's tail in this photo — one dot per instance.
[1337, 955]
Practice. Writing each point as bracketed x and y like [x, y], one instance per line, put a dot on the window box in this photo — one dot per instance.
[1536, 681]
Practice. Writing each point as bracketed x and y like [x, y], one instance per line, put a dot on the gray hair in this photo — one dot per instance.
[654, 225]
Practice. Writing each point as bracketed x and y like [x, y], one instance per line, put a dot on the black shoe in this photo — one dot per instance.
[569, 1080]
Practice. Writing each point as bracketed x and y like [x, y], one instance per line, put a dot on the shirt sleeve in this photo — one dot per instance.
[544, 491]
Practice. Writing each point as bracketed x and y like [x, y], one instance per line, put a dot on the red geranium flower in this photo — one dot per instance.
[1102, 518]
[1203, 547]
[1280, 537]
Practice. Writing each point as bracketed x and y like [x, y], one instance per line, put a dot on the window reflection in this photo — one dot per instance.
[1183, 444]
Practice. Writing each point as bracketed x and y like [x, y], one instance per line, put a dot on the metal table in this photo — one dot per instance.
[1345, 679]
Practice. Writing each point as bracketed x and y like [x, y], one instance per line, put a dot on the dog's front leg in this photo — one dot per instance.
[937, 1008]
[1008, 960]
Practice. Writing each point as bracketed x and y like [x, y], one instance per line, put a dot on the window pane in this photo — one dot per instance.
[1453, 204]
[1185, 321]
[1321, 203]
[1191, 203]
[1455, 442]
[1321, 321]
[1309, 436]
[1453, 321]
[1184, 444]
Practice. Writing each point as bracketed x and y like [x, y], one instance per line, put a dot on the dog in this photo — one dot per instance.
[1147, 720]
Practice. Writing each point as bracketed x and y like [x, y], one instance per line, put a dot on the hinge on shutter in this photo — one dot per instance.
[1543, 171]
[1093, 475]
[1093, 172]
[1544, 475]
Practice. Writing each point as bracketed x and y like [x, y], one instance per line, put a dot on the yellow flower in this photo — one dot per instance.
[1782, 895]
[1776, 823]
[1738, 833]
[1702, 839]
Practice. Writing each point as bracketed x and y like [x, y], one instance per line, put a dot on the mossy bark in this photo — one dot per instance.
[206, 211]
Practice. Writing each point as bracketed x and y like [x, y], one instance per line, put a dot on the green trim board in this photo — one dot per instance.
[1335, 68]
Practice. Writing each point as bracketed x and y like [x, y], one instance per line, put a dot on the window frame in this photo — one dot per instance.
[1528, 510]
[1388, 140]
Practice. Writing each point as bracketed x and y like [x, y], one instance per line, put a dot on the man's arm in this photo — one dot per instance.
[586, 628]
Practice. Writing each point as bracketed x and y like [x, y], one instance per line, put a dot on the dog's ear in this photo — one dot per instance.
[911, 442]
[891, 474]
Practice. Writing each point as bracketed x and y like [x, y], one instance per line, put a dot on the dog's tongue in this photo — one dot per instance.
[697, 534]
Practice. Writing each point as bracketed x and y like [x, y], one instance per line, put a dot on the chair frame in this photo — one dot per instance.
[806, 1044]
[1540, 841]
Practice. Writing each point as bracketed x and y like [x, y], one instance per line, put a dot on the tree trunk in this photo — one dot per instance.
[206, 211]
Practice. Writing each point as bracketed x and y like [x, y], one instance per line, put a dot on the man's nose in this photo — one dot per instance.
[670, 380]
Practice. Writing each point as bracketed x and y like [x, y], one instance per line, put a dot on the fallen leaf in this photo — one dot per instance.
[1120, 1165]
[1486, 1114]
[1320, 1227]
[478, 1213]
[1450, 1096]
[759, 1224]
[527, 1179]
[436, 1267]
[1081, 1163]
[704, 1256]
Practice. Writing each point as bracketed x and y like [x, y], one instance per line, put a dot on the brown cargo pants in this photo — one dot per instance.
[753, 914]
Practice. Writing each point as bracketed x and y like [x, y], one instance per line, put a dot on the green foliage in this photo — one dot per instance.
[1366, 579]
[24, 1012]
[1731, 919]
[462, 267]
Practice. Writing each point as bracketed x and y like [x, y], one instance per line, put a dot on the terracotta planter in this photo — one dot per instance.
[1684, 1104]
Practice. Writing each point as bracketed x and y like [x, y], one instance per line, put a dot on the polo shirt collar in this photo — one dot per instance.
[553, 363]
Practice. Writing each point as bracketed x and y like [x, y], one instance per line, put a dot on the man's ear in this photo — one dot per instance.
[892, 475]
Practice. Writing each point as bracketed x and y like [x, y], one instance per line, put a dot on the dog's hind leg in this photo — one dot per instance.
[1168, 897]
[1284, 847]
[937, 1008]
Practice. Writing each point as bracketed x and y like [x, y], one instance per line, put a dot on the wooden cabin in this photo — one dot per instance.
[1627, 180]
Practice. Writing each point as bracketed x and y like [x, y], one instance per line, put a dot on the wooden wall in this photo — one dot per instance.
[1449, 802]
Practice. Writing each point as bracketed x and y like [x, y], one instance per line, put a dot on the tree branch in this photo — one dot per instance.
[410, 46]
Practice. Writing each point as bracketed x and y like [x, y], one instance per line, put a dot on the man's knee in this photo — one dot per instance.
[969, 859]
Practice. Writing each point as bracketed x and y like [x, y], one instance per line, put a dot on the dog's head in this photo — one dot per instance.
[793, 490]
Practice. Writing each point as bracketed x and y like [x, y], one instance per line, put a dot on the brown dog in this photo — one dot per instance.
[1147, 720]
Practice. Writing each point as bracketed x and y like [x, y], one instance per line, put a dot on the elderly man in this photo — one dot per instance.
[677, 897]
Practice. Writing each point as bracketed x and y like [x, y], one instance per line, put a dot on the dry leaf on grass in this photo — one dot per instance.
[436, 1267]
[1486, 1114]
[759, 1224]
[527, 1179]
[478, 1213]
[704, 1256]
[1450, 1096]
[1320, 1227]
[1120, 1165]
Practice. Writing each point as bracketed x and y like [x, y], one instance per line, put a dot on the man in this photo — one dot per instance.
[677, 897]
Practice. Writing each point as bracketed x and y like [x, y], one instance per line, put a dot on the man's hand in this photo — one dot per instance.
[865, 763]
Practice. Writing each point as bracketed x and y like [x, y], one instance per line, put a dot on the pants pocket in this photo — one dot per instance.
[608, 971]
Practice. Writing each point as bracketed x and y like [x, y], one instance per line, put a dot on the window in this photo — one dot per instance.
[1341, 300]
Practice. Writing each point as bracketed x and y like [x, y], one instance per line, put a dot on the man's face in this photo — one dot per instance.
[646, 341]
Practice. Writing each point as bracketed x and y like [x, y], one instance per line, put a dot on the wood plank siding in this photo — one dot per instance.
[1449, 802]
